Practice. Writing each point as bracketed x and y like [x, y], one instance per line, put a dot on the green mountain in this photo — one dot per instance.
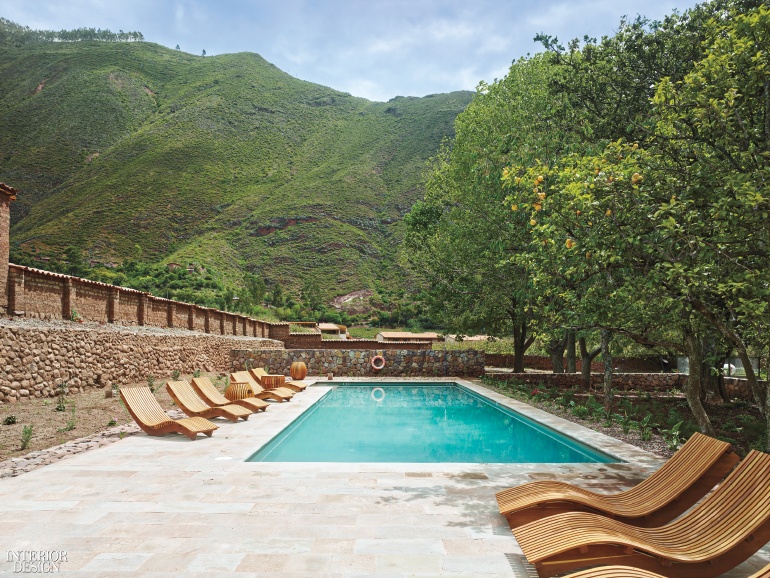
[124, 149]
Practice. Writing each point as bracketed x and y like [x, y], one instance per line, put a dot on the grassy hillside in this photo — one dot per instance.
[126, 149]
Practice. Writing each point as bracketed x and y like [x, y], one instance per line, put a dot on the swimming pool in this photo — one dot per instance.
[436, 423]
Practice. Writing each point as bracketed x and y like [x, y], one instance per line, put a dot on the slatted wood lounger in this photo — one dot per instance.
[276, 393]
[189, 402]
[628, 572]
[269, 381]
[149, 415]
[699, 465]
[210, 394]
[716, 535]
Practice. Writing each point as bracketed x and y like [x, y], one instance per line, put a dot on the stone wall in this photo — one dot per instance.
[357, 363]
[542, 362]
[35, 360]
[652, 382]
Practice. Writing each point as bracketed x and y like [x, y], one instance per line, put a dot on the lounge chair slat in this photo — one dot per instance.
[189, 402]
[257, 390]
[716, 535]
[628, 572]
[210, 394]
[149, 415]
[270, 381]
[700, 464]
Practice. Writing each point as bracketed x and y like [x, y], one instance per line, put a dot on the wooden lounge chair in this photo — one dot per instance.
[149, 415]
[628, 572]
[716, 535]
[188, 401]
[210, 394]
[270, 381]
[699, 465]
[276, 393]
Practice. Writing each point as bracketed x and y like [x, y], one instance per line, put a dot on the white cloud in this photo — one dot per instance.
[373, 49]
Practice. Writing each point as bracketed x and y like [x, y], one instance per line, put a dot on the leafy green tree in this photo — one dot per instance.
[311, 294]
[276, 295]
[461, 239]
[713, 134]
[255, 288]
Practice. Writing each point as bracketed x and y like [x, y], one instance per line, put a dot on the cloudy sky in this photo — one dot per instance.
[376, 49]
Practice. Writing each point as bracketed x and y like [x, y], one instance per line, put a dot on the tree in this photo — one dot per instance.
[461, 239]
[177, 47]
[203, 53]
[255, 288]
[311, 294]
[276, 295]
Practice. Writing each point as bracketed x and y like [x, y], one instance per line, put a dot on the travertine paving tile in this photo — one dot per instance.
[162, 507]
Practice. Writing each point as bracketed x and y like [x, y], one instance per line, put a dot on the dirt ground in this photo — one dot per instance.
[85, 414]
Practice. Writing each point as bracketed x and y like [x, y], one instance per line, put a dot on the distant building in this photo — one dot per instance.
[333, 331]
[393, 336]
[455, 339]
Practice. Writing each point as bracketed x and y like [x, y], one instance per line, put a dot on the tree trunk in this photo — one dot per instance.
[520, 345]
[586, 358]
[759, 392]
[607, 359]
[692, 391]
[712, 365]
[571, 364]
[556, 348]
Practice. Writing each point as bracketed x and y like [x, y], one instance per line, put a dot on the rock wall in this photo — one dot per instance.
[357, 363]
[620, 364]
[35, 360]
[735, 388]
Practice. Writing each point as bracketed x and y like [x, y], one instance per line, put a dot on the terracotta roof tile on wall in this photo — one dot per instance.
[8, 190]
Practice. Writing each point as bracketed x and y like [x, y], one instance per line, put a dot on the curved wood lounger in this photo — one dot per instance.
[279, 393]
[699, 465]
[252, 389]
[149, 415]
[269, 381]
[628, 572]
[210, 394]
[189, 402]
[719, 533]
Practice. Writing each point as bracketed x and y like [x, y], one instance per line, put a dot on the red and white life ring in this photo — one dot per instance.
[378, 362]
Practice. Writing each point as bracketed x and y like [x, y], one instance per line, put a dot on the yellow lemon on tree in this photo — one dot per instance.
[541, 196]
[539, 179]
[514, 207]
[609, 212]
[532, 222]
[537, 206]
[570, 243]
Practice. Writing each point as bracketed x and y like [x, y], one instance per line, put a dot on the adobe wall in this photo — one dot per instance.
[316, 341]
[7, 196]
[357, 363]
[34, 360]
[38, 294]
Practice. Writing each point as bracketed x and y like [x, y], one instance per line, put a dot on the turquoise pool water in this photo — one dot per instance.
[421, 424]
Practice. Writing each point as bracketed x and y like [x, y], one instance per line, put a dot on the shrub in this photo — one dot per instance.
[9, 420]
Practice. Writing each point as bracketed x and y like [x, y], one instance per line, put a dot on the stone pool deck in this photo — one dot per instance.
[163, 506]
